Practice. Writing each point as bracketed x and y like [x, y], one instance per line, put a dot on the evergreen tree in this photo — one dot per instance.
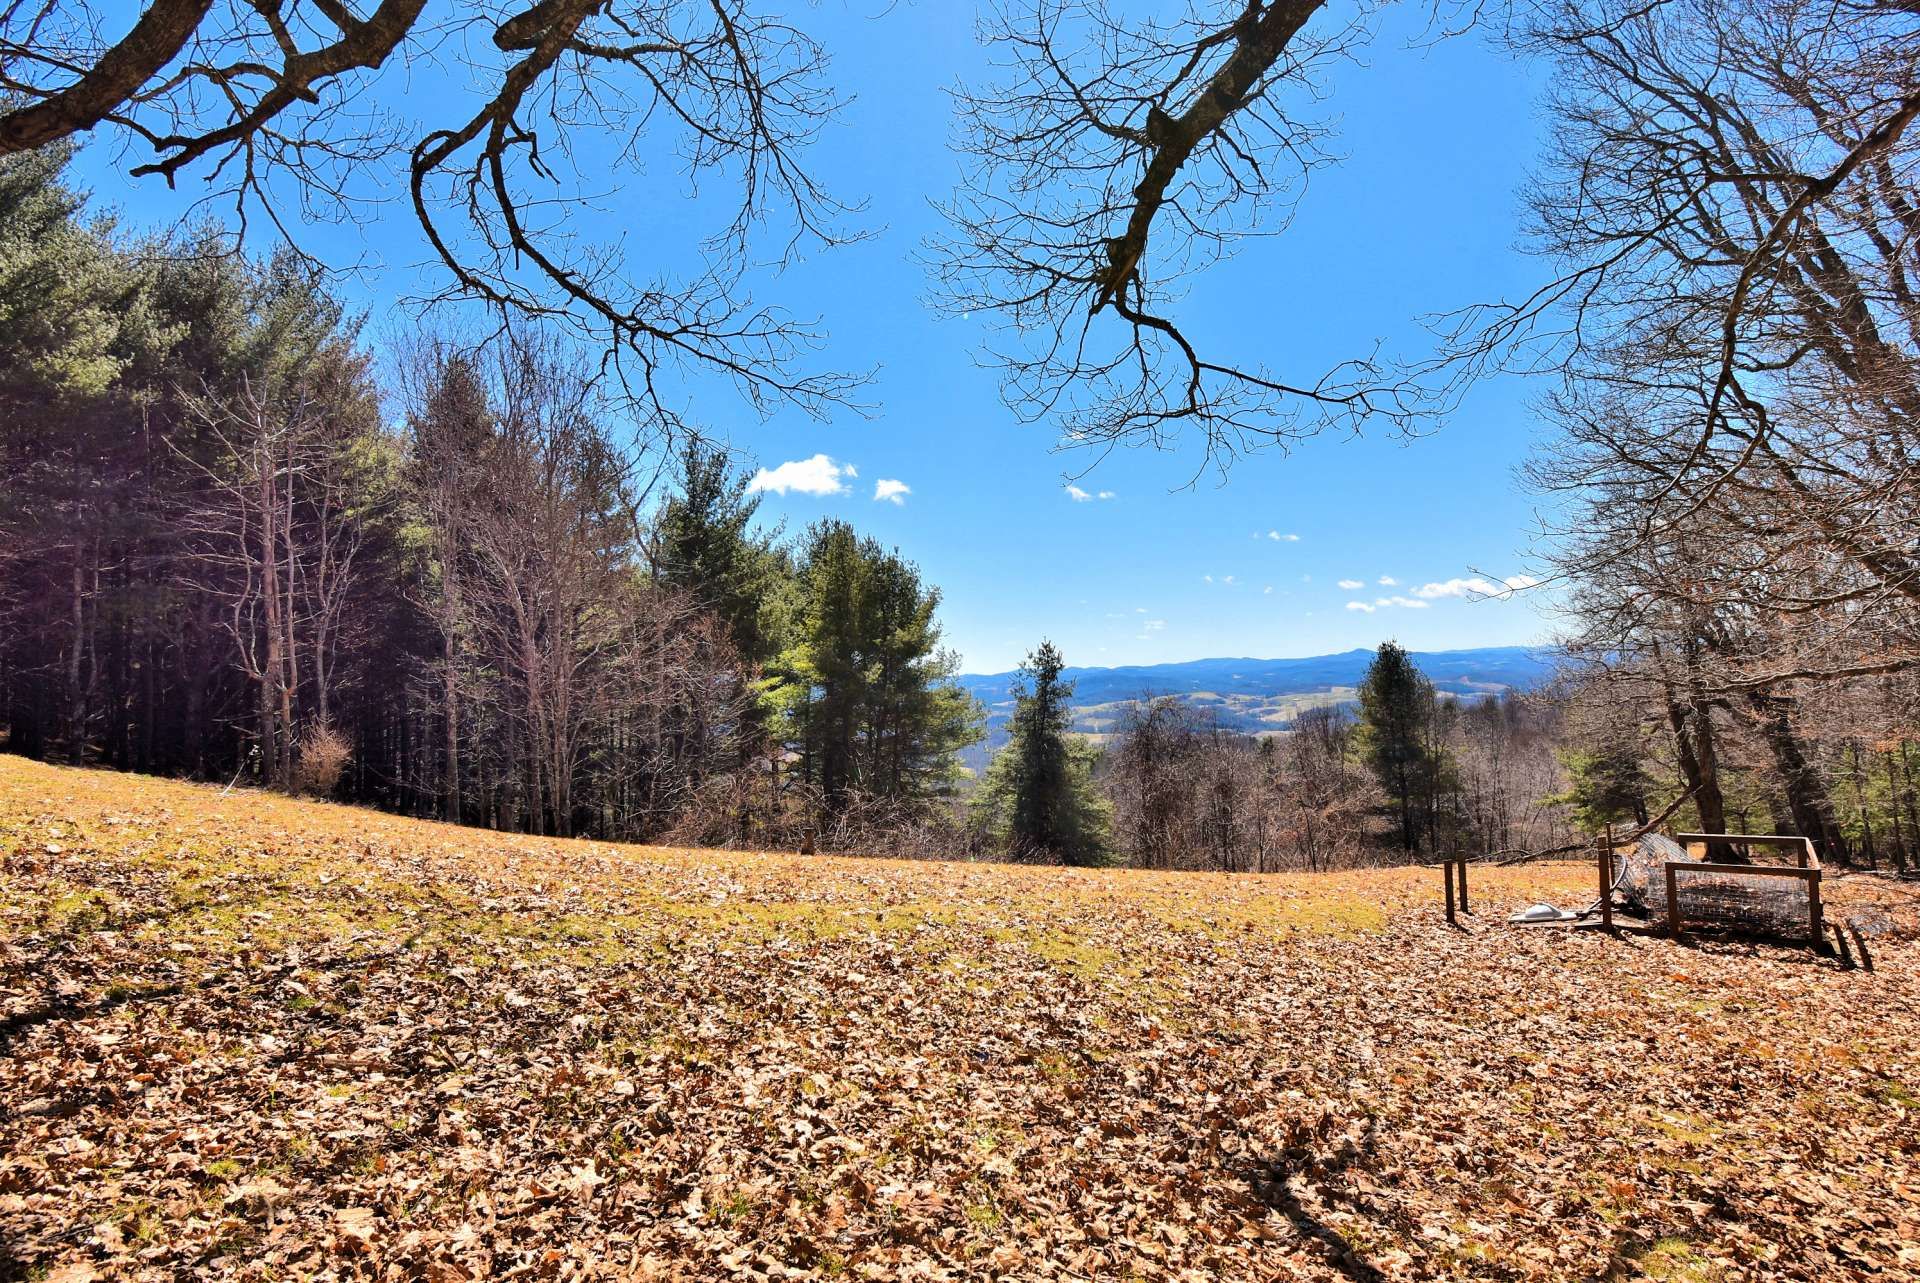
[703, 543]
[863, 688]
[1606, 785]
[63, 290]
[1396, 714]
[1039, 798]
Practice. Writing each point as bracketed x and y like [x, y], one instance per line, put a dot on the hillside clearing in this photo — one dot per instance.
[256, 1038]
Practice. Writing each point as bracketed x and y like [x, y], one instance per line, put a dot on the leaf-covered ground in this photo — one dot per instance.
[247, 1037]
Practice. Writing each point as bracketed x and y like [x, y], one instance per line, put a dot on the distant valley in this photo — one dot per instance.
[1254, 696]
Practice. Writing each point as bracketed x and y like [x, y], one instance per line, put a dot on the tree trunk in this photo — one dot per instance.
[75, 730]
[1694, 749]
[450, 768]
[1807, 796]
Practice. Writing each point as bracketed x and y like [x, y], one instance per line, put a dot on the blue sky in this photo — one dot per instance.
[1292, 554]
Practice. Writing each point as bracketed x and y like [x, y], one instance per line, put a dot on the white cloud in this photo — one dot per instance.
[1351, 584]
[1384, 603]
[894, 492]
[1277, 537]
[1107, 494]
[1078, 495]
[1457, 588]
[1139, 610]
[819, 475]
[1388, 581]
[1268, 589]
[1154, 625]
[1206, 579]
[1475, 588]
[1227, 580]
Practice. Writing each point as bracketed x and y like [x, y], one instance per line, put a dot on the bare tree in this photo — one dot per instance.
[1117, 155]
[278, 537]
[1729, 197]
[271, 100]
[1325, 797]
[1189, 794]
[1731, 192]
[452, 430]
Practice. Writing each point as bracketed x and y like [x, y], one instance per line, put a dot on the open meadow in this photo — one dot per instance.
[249, 1037]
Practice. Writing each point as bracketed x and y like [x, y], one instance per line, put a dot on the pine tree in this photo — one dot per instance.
[1606, 784]
[1039, 788]
[703, 542]
[1396, 709]
[863, 687]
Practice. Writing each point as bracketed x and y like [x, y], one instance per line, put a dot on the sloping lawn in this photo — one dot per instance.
[248, 1037]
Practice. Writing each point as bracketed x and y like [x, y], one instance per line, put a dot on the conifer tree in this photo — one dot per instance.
[1039, 797]
[703, 542]
[1396, 707]
[863, 688]
[1606, 784]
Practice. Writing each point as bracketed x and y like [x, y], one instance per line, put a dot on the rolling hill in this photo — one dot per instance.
[1255, 696]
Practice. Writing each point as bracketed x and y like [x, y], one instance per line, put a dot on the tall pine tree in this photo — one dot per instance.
[1040, 787]
[863, 689]
[704, 542]
[1396, 708]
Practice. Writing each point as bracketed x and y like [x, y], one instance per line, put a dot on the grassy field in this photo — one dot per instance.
[249, 1037]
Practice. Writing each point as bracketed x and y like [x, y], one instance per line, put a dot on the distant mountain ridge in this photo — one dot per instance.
[1256, 696]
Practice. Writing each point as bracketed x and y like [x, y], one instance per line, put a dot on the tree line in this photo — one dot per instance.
[219, 557]
[1404, 773]
[237, 547]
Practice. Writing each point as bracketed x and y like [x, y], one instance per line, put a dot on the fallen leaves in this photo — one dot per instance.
[247, 1037]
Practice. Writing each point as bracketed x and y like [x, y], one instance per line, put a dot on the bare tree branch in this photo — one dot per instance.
[271, 100]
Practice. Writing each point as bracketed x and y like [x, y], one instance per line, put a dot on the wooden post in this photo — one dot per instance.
[1860, 943]
[1816, 919]
[1846, 954]
[1606, 881]
[1446, 868]
[1464, 908]
[1673, 900]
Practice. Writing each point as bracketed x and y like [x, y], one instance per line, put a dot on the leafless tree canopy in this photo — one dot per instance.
[1732, 194]
[1730, 200]
[1187, 793]
[1729, 197]
[528, 110]
[1115, 157]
